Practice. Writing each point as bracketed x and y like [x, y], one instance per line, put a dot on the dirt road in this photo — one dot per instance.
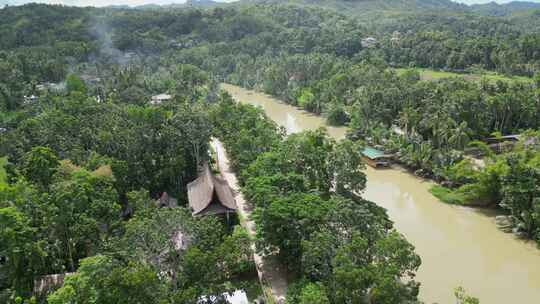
[270, 271]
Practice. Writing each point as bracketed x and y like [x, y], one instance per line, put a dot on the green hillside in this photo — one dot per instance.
[495, 9]
[375, 9]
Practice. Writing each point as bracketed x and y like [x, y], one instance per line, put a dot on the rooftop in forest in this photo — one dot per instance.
[209, 194]
[372, 152]
[165, 200]
[158, 99]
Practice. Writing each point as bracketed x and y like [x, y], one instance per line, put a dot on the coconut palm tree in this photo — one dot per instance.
[459, 137]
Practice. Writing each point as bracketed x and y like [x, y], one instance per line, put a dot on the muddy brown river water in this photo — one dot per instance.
[459, 246]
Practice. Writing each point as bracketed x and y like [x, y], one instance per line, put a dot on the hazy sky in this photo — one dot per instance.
[107, 2]
[104, 2]
[140, 2]
[487, 1]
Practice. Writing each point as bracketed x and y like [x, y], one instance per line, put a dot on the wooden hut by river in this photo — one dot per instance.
[376, 158]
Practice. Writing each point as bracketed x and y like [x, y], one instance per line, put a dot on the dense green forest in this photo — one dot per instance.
[84, 155]
[79, 196]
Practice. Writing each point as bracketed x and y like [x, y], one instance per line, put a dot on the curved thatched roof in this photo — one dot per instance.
[205, 188]
[165, 200]
[224, 193]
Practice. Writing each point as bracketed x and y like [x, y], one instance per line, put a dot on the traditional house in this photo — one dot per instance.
[159, 99]
[368, 42]
[167, 201]
[209, 194]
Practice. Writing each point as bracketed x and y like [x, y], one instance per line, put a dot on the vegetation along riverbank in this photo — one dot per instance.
[423, 219]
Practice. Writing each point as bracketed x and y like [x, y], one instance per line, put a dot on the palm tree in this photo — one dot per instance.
[460, 136]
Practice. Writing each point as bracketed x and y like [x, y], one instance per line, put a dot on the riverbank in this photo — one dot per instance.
[312, 121]
[459, 246]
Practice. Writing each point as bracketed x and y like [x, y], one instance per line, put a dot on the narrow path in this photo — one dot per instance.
[270, 272]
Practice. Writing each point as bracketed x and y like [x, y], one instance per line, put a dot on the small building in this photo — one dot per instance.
[166, 201]
[396, 38]
[210, 195]
[49, 283]
[30, 99]
[369, 42]
[57, 87]
[159, 99]
[502, 144]
[501, 139]
[376, 158]
[236, 297]
[51, 87]
[178, 45]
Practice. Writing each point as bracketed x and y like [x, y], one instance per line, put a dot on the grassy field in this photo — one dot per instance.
[427, 74]
[448, 196]
[3, 175]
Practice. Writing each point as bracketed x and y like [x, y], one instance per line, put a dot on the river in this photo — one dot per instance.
[459, 246]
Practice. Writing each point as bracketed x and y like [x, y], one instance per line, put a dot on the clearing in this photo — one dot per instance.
[428, 74]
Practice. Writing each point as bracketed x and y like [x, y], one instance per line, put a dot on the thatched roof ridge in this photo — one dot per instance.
[201, 192]
[224, 193]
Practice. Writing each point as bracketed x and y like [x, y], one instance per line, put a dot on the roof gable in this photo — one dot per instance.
[201, 191]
